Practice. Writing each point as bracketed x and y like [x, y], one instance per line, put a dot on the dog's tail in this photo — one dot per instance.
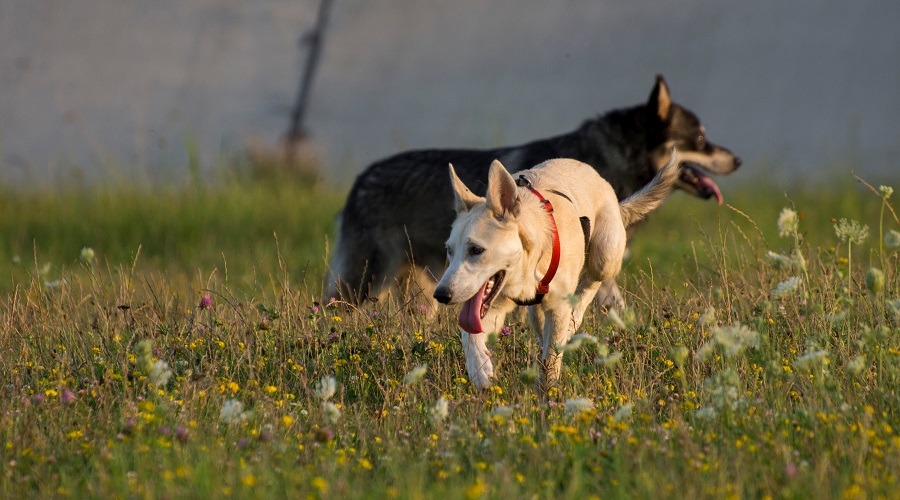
[637, 206]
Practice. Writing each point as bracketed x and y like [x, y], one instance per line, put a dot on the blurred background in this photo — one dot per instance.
[143, 89]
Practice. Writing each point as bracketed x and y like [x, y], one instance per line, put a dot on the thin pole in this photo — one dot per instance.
[297, 132]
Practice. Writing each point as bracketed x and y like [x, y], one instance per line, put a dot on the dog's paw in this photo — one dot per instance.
[481, 373]
[610, 296]
[478, 360]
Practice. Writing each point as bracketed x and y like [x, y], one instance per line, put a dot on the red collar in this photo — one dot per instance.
[544, 285]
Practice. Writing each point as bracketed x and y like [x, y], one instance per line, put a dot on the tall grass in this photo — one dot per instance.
[182, 373]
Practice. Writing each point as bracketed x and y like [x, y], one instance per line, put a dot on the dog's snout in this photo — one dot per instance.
[737, 162]
[443, 295]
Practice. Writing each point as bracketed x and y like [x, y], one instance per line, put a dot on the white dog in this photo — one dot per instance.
[548, 240]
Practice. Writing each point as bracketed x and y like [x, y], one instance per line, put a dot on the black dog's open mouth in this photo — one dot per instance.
[476, 308]
[700, 184]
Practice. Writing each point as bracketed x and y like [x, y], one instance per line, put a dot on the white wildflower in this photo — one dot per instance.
[623, 413]
[576, 406]
[609, 361]
[160, 373]
[440, 410]
[577, 341]
[679, 355]
[787, 286]
[892, 239]
[705, 350]
[724, 389]
[894, 306]
[502, 411]
[857, 365]
[708, 317]
[886, 191]
[852, 231]
[780, 261]
[326, 388]
[788, 222]
[603, 350]
[331, 411]
[87, 255]
[706, 413]
[616, 320]
[232, 412]
[735, 339]
[837, 318]
[811, 359]
[416, 374]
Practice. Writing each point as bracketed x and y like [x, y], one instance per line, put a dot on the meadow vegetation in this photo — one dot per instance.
[171, 343]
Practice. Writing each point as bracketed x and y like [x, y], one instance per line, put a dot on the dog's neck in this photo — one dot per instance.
[536, 233]
[618, 143]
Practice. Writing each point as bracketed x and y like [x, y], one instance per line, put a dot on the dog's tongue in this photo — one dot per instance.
[470, 316]
[708, 183]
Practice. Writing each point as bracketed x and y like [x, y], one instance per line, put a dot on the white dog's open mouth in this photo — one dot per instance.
[474, 309]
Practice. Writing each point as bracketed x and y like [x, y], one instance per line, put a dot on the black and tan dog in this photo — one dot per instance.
[399, 211]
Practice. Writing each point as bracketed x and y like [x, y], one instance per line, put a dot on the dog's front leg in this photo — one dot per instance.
[478, 356]
[558, 328]
[536, 320]
[478, 359]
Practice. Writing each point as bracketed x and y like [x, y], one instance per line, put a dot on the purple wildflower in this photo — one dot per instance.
[205, 301]
[505, 331]
[67, 396]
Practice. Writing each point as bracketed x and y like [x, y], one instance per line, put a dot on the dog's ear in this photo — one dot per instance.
[463, 198]
[660, 101]
[502, 194]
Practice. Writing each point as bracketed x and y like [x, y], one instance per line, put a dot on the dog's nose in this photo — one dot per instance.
[443, 295]
[737, 162]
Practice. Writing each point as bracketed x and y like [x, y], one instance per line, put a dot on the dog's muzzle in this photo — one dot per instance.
[443, 295]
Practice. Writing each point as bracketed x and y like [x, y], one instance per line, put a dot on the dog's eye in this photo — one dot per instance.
[701, 141]
[449, 251]
[476, 250]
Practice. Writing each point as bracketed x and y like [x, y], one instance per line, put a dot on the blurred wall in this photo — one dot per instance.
[131, 87]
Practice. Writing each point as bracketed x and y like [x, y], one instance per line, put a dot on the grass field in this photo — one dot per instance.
[167, 343]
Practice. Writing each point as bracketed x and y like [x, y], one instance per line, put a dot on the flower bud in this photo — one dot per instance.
[874, 280]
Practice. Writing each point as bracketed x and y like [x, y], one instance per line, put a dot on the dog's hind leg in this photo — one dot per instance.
[536, 320]
[587, 291]
[610, 295]
[359, 271]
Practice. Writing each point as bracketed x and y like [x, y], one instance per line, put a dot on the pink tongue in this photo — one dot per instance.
[470, 316]
[709, 184]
